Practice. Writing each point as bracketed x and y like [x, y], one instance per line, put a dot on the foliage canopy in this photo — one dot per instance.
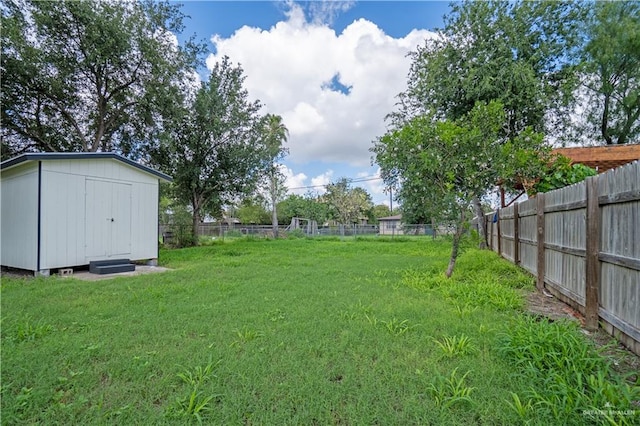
[347, 205]
[611, 72]
[90, 75]
[215, 149]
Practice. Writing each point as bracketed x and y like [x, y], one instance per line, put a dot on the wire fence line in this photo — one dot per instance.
[173, 234]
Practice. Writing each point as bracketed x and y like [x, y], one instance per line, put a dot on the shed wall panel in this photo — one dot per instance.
[390, 227]
[102, 168]
[19, 213]
[144, 221]
[64, 219]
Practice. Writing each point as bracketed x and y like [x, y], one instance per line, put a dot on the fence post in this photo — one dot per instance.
[516, 235]
[592, 264]
[540, 241]
[490, 231]
[498, 231]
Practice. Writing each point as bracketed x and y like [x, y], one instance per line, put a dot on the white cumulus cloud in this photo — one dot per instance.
[319, 182]
[332, 90]
[294, 181]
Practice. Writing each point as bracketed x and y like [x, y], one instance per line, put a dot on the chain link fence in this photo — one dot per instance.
[181, 235]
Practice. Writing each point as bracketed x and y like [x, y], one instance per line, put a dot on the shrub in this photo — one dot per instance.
[562, 173]
[295, 234]
[566, 373]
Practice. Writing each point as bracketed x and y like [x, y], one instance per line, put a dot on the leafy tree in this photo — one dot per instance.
[215, 150]
[366, 204]
[495, 50]
[90, 75]
[176, 218]
[516, 53]
[612, 71]
[291, 206]
[251, 211]
[447, 164]
[381, 210]
[275, 135]
[415, 202]
[347, 205]
[308, 206]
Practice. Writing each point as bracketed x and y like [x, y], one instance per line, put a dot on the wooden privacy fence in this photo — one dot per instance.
[582, 243]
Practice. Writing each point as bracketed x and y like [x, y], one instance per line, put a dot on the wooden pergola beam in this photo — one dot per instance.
[602, 158]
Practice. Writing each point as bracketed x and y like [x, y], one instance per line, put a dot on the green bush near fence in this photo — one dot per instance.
[292, 331]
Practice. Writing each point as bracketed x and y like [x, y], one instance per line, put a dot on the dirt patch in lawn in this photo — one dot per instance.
[82, 273]
[545, 304]
[623, 361]
[140, 270]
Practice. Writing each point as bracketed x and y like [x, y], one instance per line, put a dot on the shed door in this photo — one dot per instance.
[107, 218]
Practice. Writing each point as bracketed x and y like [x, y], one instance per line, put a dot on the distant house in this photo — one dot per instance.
[231, 222]
[390, 225]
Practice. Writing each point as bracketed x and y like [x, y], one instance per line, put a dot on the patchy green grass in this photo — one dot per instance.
[364, 331]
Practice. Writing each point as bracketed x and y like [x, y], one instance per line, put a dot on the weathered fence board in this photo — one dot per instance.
[620, 295]
[566, 273]
[494, 234]
[621, 229]
[583, 244]
[507, 232]
[528, 235]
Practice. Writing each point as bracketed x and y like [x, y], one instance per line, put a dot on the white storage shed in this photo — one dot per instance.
[61, 210]
[390, 225]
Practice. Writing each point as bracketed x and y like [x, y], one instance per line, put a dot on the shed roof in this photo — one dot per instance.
[602, 158]
[40, 156]
[396, 217]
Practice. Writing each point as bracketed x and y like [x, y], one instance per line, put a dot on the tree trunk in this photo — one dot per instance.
[482, 223]
[273, 193]
[604, 125]
[196, 222]
[456, 244]
[631, 118]
[274, 218]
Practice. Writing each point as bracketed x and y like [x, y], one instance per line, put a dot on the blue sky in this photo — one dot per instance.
[330, 69]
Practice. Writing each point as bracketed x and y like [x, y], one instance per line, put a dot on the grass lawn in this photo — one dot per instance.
[364, 331]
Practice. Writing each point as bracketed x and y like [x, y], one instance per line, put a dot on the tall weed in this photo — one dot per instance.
[569, 378]
[447, 391]
[196, 404]
[456, 345]
[26, 329]
[398, 327]
[482, 279]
